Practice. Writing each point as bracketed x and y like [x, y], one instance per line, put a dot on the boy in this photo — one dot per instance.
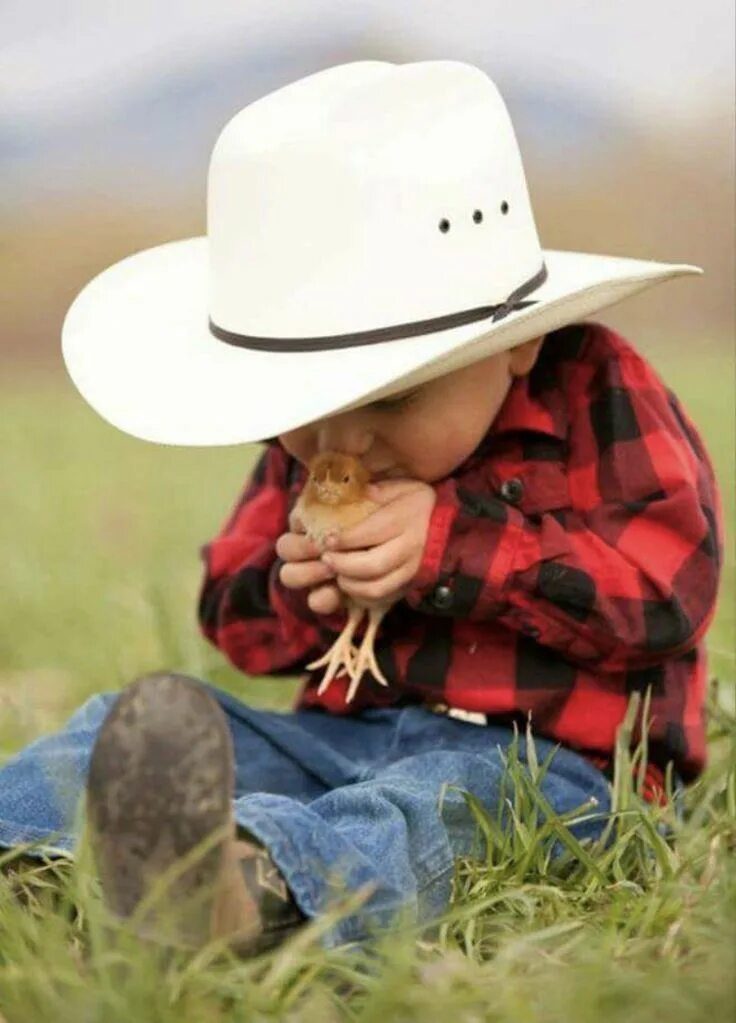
[549, 529]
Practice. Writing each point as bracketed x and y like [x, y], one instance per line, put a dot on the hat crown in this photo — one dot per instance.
[324, 206]
[367, 195]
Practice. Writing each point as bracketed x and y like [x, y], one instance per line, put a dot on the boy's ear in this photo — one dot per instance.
[523, 357]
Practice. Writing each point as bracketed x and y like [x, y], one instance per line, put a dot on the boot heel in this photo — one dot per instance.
[159, 791]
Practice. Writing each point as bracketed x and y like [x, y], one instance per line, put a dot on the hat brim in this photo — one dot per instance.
[137, 345]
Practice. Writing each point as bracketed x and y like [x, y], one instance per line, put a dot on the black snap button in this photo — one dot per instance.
[442, 597]
[512, 490]
[530, 630]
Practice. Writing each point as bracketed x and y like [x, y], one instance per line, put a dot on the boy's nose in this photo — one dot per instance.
[345, 434]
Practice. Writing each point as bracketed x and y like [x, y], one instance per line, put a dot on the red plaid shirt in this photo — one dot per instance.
[571, 560]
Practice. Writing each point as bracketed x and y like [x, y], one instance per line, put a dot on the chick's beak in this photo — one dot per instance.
[326, 492]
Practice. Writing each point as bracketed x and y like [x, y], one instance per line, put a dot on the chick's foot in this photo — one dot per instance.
[341, 655]
[366, 657]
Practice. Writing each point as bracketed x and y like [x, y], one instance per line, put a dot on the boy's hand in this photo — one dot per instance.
[396, 534]
[303, 568]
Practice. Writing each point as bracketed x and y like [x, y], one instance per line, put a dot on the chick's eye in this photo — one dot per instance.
[346, 479]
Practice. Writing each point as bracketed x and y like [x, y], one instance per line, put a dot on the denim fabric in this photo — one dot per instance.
[340, 802]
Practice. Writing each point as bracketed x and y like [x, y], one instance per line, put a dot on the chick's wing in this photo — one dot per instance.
[323, 520]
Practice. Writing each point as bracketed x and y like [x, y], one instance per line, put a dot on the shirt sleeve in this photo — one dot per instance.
[244, 609]
[624, 577]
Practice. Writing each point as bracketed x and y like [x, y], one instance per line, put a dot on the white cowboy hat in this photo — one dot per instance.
[368, 228]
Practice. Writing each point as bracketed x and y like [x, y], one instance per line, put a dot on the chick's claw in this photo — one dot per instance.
[341, 655]
[366, 657]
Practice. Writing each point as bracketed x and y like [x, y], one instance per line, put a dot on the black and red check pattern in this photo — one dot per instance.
[571, 560]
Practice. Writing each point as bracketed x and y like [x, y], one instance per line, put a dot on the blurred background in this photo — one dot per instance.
[108, 113]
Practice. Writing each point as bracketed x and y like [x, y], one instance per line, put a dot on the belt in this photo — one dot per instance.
[471, 716]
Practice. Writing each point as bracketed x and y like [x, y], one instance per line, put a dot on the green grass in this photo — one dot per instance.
[624, 932]
[100, 536]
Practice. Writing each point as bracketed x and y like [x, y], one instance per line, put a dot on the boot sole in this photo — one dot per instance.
[161, 781]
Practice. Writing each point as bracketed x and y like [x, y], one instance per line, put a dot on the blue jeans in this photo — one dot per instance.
[353, 798]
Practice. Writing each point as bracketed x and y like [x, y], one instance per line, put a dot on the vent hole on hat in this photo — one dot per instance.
[444, 225]
[504, 207]
[477, 216]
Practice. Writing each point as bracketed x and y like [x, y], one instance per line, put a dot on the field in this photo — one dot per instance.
[100, 535]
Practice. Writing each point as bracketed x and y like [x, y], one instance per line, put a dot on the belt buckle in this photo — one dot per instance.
[471, 717]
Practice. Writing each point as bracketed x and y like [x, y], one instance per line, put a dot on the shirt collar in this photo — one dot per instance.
[530, 407]
[534, 402]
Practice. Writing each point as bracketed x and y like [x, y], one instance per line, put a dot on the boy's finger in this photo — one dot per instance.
[296, 547]
[370, 564]
[325, 600]
[379, 527]
[387, 587]
[297, 574]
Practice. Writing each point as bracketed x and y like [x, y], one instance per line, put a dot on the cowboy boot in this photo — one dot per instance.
[160, 788]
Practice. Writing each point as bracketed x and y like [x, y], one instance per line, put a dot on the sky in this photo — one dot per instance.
[111, 98]
[654, 57]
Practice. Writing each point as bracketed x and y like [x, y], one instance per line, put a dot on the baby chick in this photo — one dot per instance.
[334, 498]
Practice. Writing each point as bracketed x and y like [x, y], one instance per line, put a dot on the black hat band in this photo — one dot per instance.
[516, 300]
